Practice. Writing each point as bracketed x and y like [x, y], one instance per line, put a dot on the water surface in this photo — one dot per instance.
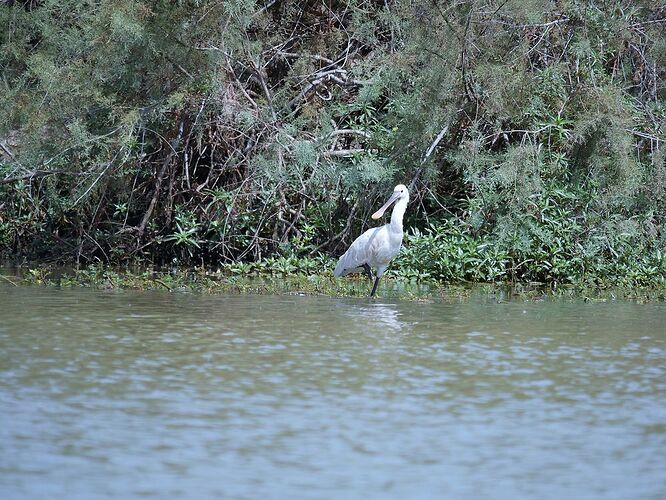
[122, 394]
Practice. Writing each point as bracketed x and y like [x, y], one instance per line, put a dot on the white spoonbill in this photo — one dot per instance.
[377, 246]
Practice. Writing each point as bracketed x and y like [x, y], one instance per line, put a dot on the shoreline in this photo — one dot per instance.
[219, 281]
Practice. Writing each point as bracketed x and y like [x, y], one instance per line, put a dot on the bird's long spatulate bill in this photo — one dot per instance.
[381, 211]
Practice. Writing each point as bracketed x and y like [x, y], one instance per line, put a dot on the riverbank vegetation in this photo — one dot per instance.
[290, 279]
[259, 136]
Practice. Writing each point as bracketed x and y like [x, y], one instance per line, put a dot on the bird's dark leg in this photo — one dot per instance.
[374, 287]
[367, 270]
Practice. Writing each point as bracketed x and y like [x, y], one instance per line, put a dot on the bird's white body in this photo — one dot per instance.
[377, 246]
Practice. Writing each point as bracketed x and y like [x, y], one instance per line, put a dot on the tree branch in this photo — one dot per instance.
[6, 150]
[37, 174]
[426, 156]
[322, 77]
[345, 153]
[158, 181]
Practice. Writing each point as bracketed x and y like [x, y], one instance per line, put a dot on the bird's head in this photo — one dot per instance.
[400, 192]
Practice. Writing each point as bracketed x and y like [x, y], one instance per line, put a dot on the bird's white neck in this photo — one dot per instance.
[397, 214]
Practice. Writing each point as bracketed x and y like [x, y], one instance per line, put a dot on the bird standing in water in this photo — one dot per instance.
[377, 246]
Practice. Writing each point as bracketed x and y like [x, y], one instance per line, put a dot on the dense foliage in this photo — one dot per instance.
[228, 132]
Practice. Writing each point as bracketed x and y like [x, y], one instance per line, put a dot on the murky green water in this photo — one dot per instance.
[128, 394]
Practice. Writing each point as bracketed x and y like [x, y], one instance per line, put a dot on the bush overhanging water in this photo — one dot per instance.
[259, 136]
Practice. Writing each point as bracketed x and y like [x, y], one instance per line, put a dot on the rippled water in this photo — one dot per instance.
[127, 394]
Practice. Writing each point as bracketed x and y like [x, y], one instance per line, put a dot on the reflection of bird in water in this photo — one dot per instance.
[377, 246]
[384, 317]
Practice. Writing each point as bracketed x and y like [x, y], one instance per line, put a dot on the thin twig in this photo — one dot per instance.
[645, 135]
[342, 233]
[265, 7]
[39, 173]
[158, 181]
[322, 77]
[345, 153]
[269, 97]
[101, 174]
[157, 280]
[316, 57]
[524, 26]
[239, 84]
[350, 131]
[6, 150]
[8, 280]
[427, 154]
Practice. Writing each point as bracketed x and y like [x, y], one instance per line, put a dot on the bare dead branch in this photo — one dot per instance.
[316, 57]
[265, 7]
[524, 26]
[8, 280]
[345, 153]
[7, 151]
[325, 76]
[645, 135]
[345, 231]
[36, 174]
[349, 131]
[259, 75]
[239, 84]
[426, 156]
[158, 180]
